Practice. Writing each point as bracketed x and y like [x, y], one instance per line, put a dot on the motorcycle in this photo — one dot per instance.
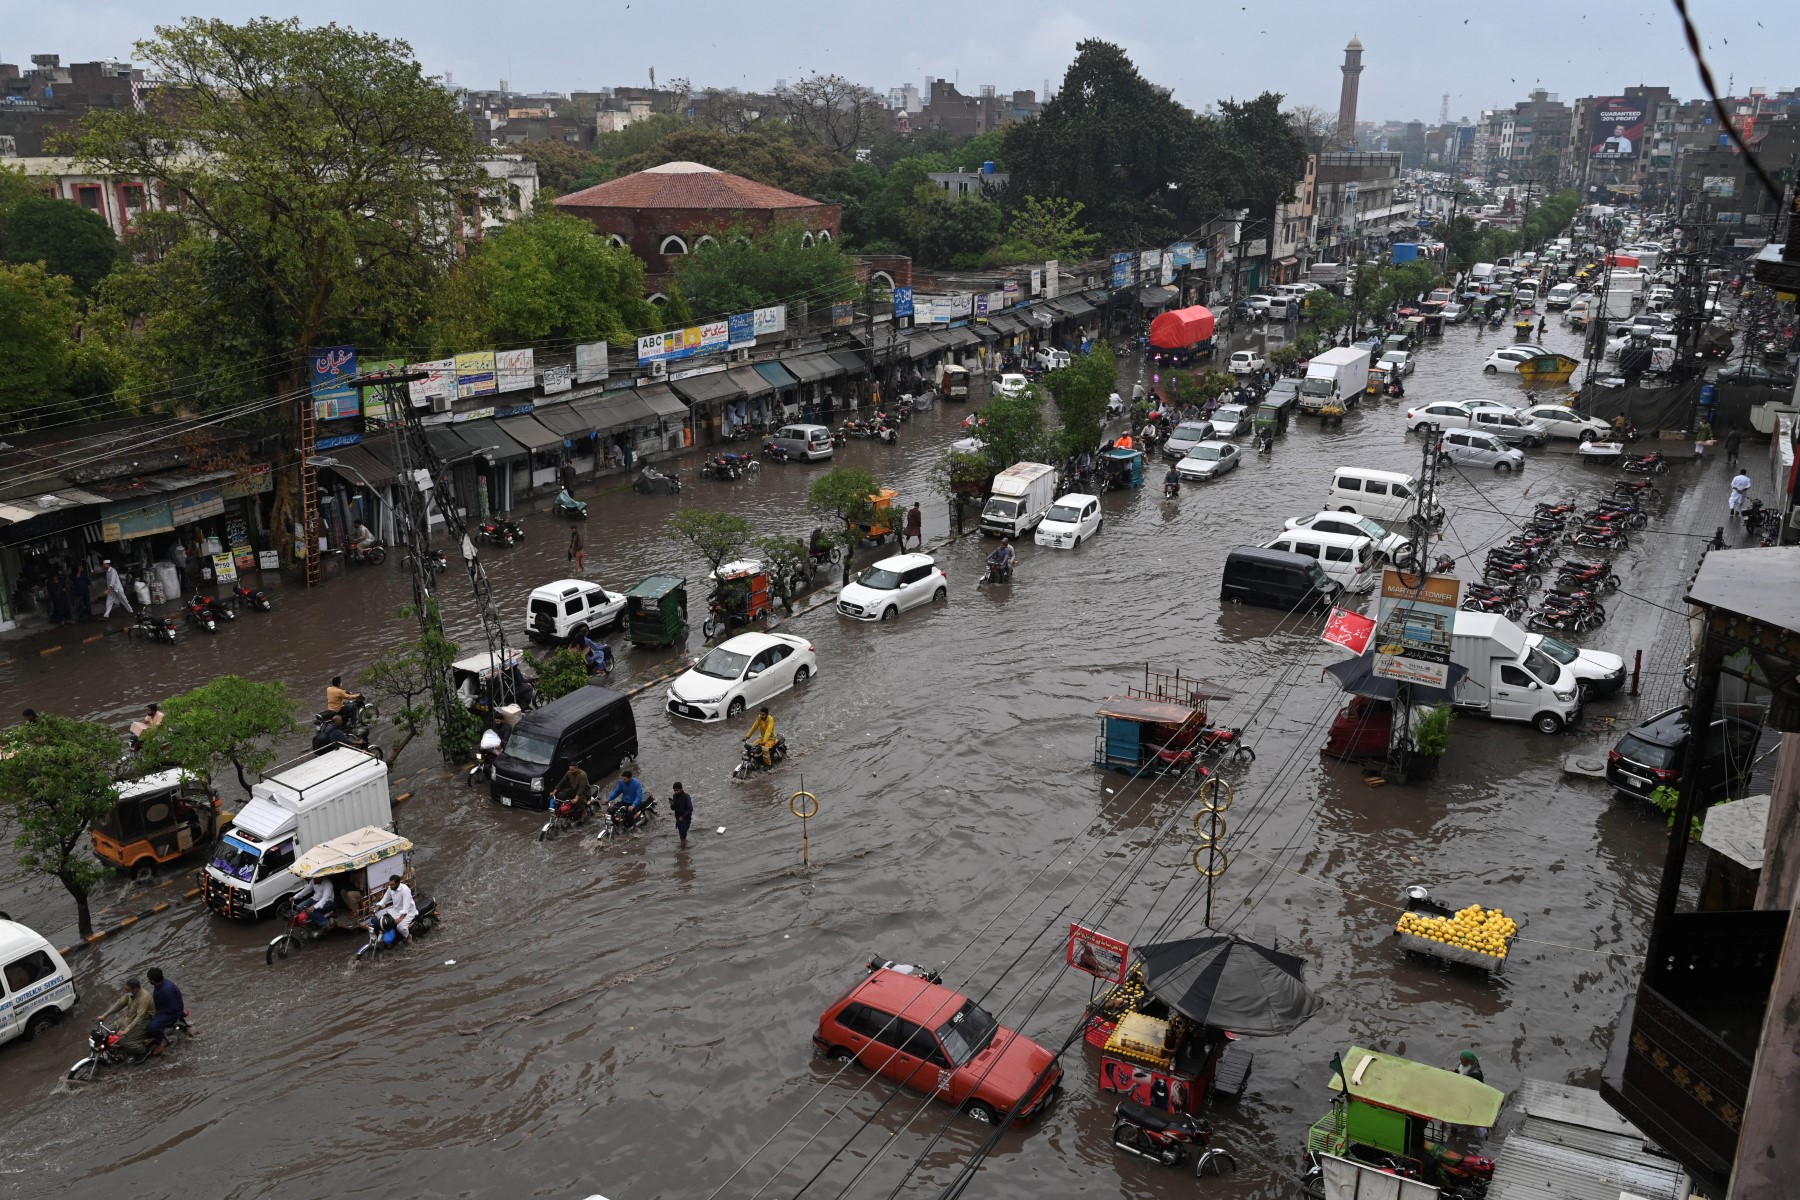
[1217, 741]
[157, 629]
[886, 434]
[600, 660]
[384, 935]
[651, 482]
[621, 818]
[997, 573]
[1565, 509]
[1579, 574]
[1589, 537]
[752, 760]
[200, 614]
[1634, 487]
[256, 599]
[501, 533]
[568, 506]
[567, 814]
[1508, 606]
[1164, 1137]
[1171, 489]
[104, 1049]
[1562, 620]
[373, 554]
[1443, 564]
[775, 453]
[1652, 463]
[1756, 516]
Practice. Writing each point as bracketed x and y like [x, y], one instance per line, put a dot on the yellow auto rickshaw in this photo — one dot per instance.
[155, 821]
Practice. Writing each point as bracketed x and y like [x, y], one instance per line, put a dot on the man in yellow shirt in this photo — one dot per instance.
[762, 734]
[336, 696]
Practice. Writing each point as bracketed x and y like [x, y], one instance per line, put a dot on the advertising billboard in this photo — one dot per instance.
[1412, 637]
[1618, 127]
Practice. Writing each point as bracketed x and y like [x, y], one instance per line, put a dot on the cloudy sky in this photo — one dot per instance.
[1414, 54]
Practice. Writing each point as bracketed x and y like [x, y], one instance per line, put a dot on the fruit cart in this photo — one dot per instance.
[1471, 936]
[1152, 1055]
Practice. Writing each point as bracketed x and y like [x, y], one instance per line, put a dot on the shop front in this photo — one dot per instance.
[577, 435]
[669, 415]
[813, 371]
[544, 454]
[756, 404]
[711, 396]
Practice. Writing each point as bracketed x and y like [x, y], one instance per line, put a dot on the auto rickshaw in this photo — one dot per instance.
[740, 595]
[955, 383]
[1378, 380]
[1391, 1112]
[473, 679]
[656, 611]
[1273, 414]
[1162, 726]
[880, 526]
[1121, 469]
[361, 866]
[155, 821]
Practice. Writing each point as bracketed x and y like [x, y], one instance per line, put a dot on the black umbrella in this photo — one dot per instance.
[1229, 983]
[1357, 676]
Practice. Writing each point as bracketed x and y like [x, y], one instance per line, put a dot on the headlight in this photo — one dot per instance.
[1565, 697]
[537, 784]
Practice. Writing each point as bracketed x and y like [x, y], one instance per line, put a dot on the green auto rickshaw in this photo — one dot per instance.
[656, 611]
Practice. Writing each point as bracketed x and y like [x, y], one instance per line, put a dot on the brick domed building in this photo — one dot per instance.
[667, 211]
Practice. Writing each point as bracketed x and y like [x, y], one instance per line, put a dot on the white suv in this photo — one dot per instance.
[885, 590]
[571, 608]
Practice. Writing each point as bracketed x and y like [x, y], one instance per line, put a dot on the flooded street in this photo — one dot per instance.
[635, 1021]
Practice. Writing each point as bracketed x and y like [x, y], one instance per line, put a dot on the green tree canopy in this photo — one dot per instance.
[735, 273]
[717, 537]
[782, 164]
[230, 720]
[1012, 429]
[545, 277]
[562, 168]
[66, 238]
[843, 498]
[46, 376]
[1049, 228]
[56, 780]
[1081, 391]
[944, 230]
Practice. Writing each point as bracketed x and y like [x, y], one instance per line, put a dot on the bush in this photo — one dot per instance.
[559, 672]
[1431, 735]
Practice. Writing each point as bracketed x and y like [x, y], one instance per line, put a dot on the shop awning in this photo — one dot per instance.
[1075, 306]
[662, 403]
[704, 391]
[448, 443]
[360, 460]
[1155, 297]
[923, 342]
[1097, 296]
[776, 375]
[853, 364]
[490, 441]
[811, 368]
[1038, 316]
[530, 434]
[956, 339]
[564, 421]
[749, 382]
[1006, 325]
[29, 508]
[615, 410]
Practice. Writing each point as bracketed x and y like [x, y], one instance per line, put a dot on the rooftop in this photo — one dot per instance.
[684, 185]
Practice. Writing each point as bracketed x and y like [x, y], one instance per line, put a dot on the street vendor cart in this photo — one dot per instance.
[1162, 726]
[740, 595]
[880, 526]
[361, 865]
[1471, 936]
[656, 611]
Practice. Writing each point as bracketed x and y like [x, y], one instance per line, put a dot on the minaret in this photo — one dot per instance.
[1346, 126]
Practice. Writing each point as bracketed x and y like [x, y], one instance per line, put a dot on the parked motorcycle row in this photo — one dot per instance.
[203, 613]
[1516, 569]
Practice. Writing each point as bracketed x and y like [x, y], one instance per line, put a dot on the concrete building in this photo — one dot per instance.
[970, 183]
[1353, 204]
[48, 99]
[671, 210]
[1352, 68]
[948, 110]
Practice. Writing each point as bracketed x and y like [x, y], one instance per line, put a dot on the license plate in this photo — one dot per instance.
[506, 800]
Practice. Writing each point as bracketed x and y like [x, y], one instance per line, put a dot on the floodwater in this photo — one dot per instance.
[634, 1020]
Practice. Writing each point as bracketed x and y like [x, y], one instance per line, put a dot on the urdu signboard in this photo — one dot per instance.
[1412, 635]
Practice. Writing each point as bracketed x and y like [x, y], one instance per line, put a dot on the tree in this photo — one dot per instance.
[1327, 312]
[403, 679]
[1049, 228]
[788, 563]
[1258, 156]
[1317, 127]
[559, 672]
[831, 111]
[716, 537]
[562, 167]
[944, 230]
[229, 720]
[45, 374]
[66, 238]
[545, 278]
[56, 780]
[1081, 391]
[1012, 429]
[324, 176]
[729, 110]
[844, 498]
[735, 273]
[755, 156]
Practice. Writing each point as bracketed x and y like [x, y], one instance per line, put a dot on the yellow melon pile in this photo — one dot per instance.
[1484, 931]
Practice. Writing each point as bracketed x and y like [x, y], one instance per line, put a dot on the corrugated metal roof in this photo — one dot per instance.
[1572, 1146]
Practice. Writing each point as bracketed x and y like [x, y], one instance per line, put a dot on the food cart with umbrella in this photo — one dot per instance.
[1168, 1034]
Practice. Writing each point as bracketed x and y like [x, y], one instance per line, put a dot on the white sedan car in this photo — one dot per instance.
[1207, 461]
[1071, 519]
[1011, 385]
[882, 592]
[1560, 421]
[1229, 420]
[1391, 546]
[1448, 414]
[1508, 358]
[740, 672]
[1399, 360]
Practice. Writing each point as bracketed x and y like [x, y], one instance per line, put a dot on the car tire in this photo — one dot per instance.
[890, 613]
[802, 673]
[983, 1113]
[839, 1054]
[1491, 369]
[941, 595]
[1548, 722]
[735, 708]
[1503, 468]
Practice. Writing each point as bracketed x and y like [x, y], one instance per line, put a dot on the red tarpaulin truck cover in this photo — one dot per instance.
[1182, 328]
[1626, 261]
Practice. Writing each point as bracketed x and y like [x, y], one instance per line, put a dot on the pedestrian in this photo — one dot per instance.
[178, 557]
[568, 478]
[59, 601]
[915, 528]
[1468, 1064]
[577, 552]
[1740, 491]
[682, 805]
[81, 590]
[1732, 441]
[115, 590]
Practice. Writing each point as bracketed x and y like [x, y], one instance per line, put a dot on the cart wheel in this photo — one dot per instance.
[143, 871]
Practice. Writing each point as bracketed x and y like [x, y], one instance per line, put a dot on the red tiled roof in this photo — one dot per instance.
[684, 185]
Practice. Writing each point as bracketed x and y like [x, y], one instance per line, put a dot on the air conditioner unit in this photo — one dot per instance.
[440, 404]
[659, 370]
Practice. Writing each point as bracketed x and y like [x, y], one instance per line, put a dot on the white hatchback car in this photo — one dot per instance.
[1508, 358]
[1071, 519]
[893, 585]
[570, 609]
[1207, 461]
[1011, 385]
[1448, 414]
[1399, 360]
[1243, 362]
[1564, 422]
[739, 672]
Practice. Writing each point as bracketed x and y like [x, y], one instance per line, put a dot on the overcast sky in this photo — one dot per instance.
[1413, 54]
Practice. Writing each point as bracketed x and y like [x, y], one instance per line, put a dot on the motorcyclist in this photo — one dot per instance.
[138, 1007]
[599, 656]
[333, 733]
[396, 907]
[317, 898]
[170, 1009]
[364, 536]
[816, 548]
[572, 786]
[1171, 481]
[761, 737]
[338, 699]
[626, 800]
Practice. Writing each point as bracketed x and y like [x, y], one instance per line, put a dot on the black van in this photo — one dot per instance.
[1277, 579]
[592, 727]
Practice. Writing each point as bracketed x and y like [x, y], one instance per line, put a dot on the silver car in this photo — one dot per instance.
[1509, 426]
[1185, 437]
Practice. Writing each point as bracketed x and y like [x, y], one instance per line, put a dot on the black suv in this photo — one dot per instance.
[1651, 755]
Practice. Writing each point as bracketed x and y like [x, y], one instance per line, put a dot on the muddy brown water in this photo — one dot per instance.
[634, 1021]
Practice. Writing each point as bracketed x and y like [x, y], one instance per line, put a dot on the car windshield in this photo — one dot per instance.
[1562, 652]
[1370, 528]
[530, 748]
[1543, 667]
[967, 1033]
[999, 507]
[882, 579]
[1231, 413]
[1189, 431]
[1067, 514]
[1204, 452]
[723, 663]
[236, 859]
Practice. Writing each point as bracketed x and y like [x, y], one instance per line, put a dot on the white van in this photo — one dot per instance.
[1384, 495]
[1347, 558]
[36, 986]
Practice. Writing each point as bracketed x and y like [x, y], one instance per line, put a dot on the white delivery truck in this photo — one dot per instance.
[1626, 281]
[1508, 679]
[1340, 373]
[1018, 499]
[1620, 303]
[313, 800]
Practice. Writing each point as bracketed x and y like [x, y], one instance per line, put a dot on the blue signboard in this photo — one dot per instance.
[743, 329]
[903, 302]
[332, 443]
[1121, 268]
[1183, 252]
